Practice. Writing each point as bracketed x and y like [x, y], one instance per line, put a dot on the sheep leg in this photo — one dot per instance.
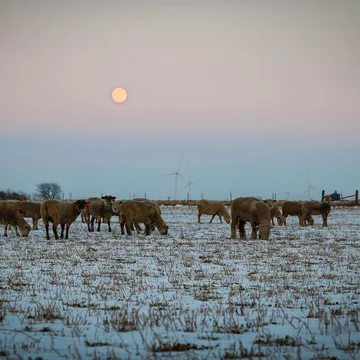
[254, 229]
[46, 223]
[10, 228]
[109, 225]
[62, 231]
[199, 215]
[242, 230]
[137, 227]
[212, 218]
[254, 232]
[219, 215]
[148, 228]
[233, 229]
[122, 223]
[303, 217]
[128, 225]
[35, 220]
[55, 231]
[324, 216]
[5, 229]
[67, 231]
[92, 223]
[99, 223]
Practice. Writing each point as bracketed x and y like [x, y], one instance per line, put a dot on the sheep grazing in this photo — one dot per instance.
[60, 212]
[116, 209]
[315, 208]
[208, 207]
[275, 212]
[146, 212]
[97, 209]
[29, 209]
[10, 215]
[255, 211]
[294, 208]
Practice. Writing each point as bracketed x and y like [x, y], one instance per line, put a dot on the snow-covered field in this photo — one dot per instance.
[194, 294]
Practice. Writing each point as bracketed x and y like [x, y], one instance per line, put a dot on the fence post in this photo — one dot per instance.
[356, 196]
[322, 195]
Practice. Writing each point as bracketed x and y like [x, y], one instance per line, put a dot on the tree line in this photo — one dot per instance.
[44, 191]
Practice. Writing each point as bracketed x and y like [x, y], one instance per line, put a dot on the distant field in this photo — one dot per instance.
[194, 294]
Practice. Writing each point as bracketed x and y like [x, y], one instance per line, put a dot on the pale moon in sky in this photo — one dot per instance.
[119, 95]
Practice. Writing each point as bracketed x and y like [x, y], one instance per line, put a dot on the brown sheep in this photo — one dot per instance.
[244, 209]
[294, 208]
[116, 206]
[275, 212]
[29, 209]
[141, 212]
[213, 208]
[116, 210]
[315, 208]
[99, 208]
[60, 212]
[10, 215]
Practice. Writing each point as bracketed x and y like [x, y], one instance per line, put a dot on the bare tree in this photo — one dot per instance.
[46, 191]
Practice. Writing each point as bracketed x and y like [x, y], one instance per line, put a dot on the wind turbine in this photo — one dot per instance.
[189, 184]
[176, 173]
[310, 186]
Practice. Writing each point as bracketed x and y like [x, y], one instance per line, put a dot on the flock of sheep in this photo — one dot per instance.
[260, 214]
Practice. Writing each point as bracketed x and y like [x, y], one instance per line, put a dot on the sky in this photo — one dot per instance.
[248, 98]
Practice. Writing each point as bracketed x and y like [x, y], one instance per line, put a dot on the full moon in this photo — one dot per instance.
[119, 95]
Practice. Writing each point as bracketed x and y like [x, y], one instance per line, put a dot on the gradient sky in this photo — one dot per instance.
[259, 96]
